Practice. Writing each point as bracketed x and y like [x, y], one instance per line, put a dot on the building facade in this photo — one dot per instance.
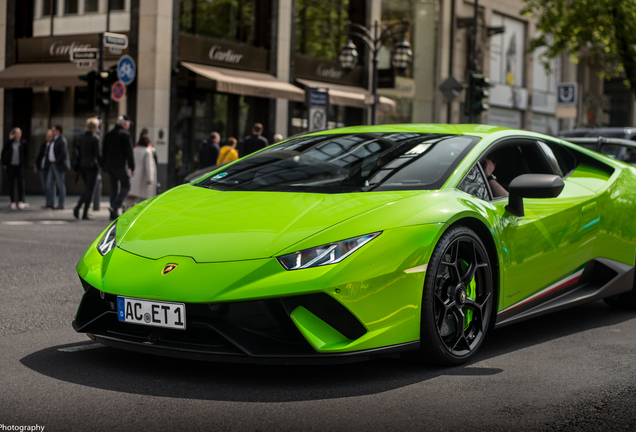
[222, 65]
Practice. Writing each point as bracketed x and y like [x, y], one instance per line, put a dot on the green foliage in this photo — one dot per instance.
[220, 19]
[600, 32]
[320, 27]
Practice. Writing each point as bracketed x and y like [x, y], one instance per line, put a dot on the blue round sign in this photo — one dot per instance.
[126, 69]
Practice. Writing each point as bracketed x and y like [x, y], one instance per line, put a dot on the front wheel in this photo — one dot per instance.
[458, 297]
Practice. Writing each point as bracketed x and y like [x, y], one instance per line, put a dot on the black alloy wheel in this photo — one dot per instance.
[458, 297]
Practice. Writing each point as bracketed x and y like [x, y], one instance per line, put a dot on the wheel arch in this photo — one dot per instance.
[486, 237]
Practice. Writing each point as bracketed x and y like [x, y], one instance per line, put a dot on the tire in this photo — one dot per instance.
[457, 300]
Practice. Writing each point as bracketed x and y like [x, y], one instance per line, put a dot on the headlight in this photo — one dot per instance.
[323, 255]
[107, 243]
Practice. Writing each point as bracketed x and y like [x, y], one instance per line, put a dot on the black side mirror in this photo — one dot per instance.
[532, 186]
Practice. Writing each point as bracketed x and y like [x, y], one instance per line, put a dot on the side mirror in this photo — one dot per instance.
[532, 186]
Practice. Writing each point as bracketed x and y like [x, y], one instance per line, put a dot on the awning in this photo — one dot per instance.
[63, 74]
[248, 83]
[357, 97]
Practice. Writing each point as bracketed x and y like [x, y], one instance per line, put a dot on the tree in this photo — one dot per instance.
[600, 32]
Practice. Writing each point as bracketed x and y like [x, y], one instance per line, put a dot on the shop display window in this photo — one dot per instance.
[320, 30]
[243, 21]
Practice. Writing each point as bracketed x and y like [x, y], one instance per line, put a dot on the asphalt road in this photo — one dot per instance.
[570, 371]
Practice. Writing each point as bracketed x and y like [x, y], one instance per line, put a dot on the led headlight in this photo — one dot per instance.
[327, 254]
[107, 243]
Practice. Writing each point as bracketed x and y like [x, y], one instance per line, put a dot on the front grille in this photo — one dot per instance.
[254, 328]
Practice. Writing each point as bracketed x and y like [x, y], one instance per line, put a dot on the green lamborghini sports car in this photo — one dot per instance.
[361, 242]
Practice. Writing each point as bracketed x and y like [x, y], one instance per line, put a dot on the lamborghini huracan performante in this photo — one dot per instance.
[362, 242]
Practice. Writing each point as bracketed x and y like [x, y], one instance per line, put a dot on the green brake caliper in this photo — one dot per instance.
[471, 292]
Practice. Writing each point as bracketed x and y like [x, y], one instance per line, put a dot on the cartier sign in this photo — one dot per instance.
[327, 71]
[216, 52]
[227, 56]
[58, 48]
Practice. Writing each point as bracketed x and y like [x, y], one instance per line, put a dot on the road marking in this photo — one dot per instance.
[81, 347]
[45, 222]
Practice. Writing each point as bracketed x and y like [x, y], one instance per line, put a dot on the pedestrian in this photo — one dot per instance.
[277, 138]
[86, 162]
[256, 141]
[118, 152]
[15, 154]
[42, 167]
[59, 162]
[210, 150]
[228, 152]
[143, 183]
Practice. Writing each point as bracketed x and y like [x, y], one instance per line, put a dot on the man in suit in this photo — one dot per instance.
[57, 162]
[254, 142]
[117, 153]
[210, 150]
[42, 167]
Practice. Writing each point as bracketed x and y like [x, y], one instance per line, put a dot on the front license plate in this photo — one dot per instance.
[152, 313]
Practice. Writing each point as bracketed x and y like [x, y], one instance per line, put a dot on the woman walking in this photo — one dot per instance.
[86, 162]
[143, 183]
[15, 155]
[228, 152]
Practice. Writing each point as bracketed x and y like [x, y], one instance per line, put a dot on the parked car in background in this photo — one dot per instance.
[617, 148]
[628, 133]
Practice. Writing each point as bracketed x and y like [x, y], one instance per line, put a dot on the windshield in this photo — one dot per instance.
[347, 163]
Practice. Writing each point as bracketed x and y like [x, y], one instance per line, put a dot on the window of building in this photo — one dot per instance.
[91, 6]
[46, 7]
[71, 7]
[243, 21]
[320, 29]
[507, 52]
[116, 5]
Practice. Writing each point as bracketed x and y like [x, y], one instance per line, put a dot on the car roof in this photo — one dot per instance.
[450, 129]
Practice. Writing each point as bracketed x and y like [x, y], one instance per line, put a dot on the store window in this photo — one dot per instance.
[71, 7]
[47, 5]
[320, 28]
[243, 21]
[91, 6]
[116, 5]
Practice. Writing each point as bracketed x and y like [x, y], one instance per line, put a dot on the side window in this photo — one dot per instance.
[565, 158]
[547, 151]
[515, 157]
[474, 184]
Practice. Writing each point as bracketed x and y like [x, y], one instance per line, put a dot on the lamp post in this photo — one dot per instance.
[401, 58]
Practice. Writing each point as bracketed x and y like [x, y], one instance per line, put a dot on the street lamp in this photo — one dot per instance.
[401, 58]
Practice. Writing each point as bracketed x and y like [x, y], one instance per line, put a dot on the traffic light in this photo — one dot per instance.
[477, 90]
[91, 80]
[105, 80]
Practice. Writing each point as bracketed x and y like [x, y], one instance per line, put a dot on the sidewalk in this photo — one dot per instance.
[34, 209]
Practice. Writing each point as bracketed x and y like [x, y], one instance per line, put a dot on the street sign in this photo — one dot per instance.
[118, 91]
[451, 88]
[115, 40]
[318, 109]
[89, 54]
[126, 69]
[566, 94]
[84, 64]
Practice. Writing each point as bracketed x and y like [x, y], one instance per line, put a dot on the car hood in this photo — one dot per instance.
[217, 226]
